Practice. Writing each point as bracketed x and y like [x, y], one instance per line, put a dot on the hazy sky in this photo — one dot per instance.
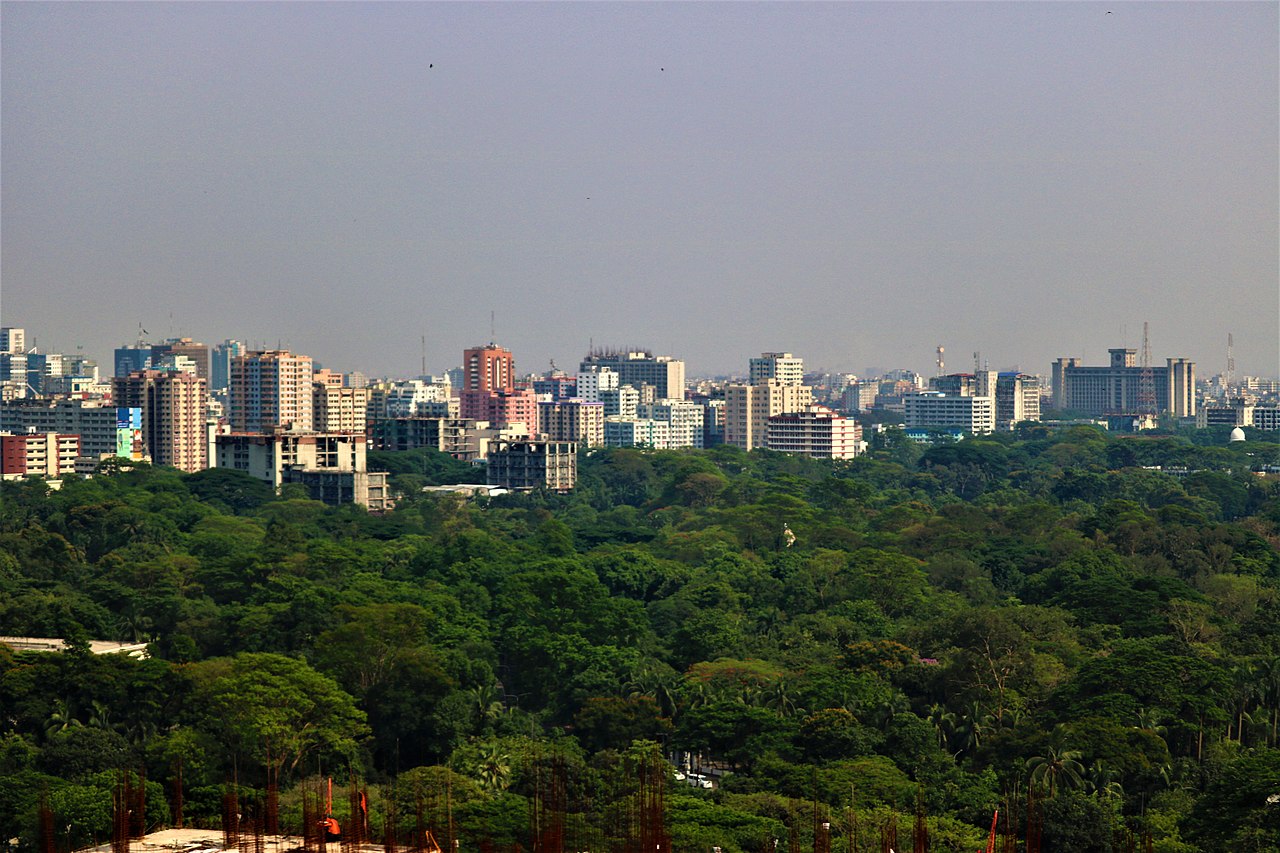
[853, 182]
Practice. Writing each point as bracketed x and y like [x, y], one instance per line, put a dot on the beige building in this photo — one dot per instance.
[747, 409]
[783, 366]
[175, 423]
[47, 455]
[270, 389]
[572, 420]
[331, 466]
[338, 409]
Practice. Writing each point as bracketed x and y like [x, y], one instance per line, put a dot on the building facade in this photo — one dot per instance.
[330, 466]
[270, 389]
[747, 409]
[1117, 388]
[782, 366]
[936, 410]
[49, 455]
[640, 367]
[174, 406]
[533, 464]
[817, 432]
[572, 420]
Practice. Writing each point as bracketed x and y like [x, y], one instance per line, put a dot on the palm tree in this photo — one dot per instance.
[944, 723]
[62, 717]
[1102, 781]
[1056, 768]
[493, 768]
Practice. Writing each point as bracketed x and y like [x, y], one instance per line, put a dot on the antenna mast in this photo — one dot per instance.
[941, 364]
[424, 355]
[1146, 380]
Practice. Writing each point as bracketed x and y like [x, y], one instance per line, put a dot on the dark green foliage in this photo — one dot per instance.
[947, 625]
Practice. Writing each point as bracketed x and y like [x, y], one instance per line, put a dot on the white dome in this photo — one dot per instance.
[1237, 434]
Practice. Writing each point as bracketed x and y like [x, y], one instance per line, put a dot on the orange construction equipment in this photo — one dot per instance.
[329, 823]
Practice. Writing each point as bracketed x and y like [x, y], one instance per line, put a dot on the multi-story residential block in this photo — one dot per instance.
[175, 427]
[330, 466]
[572, 420]
[104, 428]
[47, 454]
[556, 387]
[749, 407]
[936, 410]
[336, 408]
[533, 464]
[503, 408]
[270, 389]
[620, 402]
[640, 367]
[1117, 388]
[859, 396]
[713, 422]
[817, 432]
[592, 383]
[684, 419]
[488, 370]
[637, 432]
[782, 366]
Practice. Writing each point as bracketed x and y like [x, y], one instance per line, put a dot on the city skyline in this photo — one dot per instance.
[855, 183]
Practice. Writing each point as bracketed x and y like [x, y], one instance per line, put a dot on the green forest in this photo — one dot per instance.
[1078, 629]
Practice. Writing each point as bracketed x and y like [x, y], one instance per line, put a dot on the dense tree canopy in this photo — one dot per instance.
[950, 628]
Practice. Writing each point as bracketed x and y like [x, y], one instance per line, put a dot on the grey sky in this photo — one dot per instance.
[856, 183]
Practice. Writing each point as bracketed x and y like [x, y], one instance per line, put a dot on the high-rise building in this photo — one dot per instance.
[487, 371]
[591, 383]
[816, 432]
[640, 367]
[269, 389]
[105, 429]
[1017, 399]
[747, 409]
[131, 358]
[572, 420]
[13, 339]
[782, 366]
[488, 368]
[682, 417]
[338, 409]
[1117, 388]
[637, 432]
[220, 363]
[175, 426]
[194, 350]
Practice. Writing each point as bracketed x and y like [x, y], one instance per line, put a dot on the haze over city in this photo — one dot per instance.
[856, 183]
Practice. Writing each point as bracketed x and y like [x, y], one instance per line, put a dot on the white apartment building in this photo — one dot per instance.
[331, 466]
[747, 409]
[782, 366]
[621, 402]
[637, 432]
[591, 383]
[684, 419]
[817, 432]
[936, 410]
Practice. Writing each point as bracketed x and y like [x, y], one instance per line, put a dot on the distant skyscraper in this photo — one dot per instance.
[782, 366]
[220, 363]
[194, 350]
[128, 359]
[13, 339]
[269, 389]
[488, 370]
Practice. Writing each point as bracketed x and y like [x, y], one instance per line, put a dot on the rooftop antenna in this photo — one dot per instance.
[492, 334]
[977, 362]
[424, 355]
[941, 364]
[1147, 379]
[1231, 360]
